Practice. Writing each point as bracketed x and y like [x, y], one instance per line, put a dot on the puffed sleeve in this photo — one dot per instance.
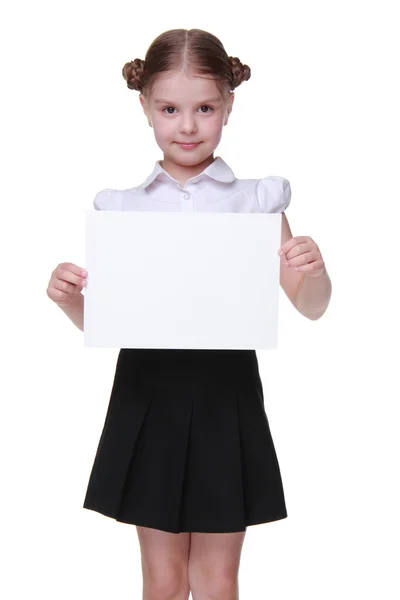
[273, 194]
[107, 199]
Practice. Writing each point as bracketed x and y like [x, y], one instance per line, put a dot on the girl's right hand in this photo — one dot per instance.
[66, 283]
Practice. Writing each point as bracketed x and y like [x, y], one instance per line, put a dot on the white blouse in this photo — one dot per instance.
[215, 189]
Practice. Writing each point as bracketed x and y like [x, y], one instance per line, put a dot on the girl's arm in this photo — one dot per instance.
[310, 295]
[74, 310]
[313, 295]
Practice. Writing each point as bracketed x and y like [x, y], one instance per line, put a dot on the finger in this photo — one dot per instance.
[64, 286]
[314, 266]
[298, 249]
[57, 295]
[302, 259]
[284, 249]
[64, 273]
[74, 268]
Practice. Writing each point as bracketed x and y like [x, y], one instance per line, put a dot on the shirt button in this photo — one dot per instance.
[186, 196]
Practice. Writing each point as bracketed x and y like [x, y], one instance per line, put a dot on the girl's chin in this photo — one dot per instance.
[190, 161]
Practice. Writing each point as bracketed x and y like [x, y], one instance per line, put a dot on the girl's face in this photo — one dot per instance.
[187, 109]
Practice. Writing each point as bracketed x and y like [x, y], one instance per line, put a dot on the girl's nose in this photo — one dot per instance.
[188, 125]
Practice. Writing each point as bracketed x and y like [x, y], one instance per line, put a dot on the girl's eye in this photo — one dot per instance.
[166, 108]
[171, 113]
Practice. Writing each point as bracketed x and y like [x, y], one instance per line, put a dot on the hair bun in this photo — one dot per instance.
[132, 73]
[240, 72]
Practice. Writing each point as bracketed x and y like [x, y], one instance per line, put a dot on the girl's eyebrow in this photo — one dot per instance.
[159, 101]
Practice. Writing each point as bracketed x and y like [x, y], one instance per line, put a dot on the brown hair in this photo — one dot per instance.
[188, 49]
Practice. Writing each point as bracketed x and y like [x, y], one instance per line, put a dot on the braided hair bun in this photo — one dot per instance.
[132, 72]
[240, 72]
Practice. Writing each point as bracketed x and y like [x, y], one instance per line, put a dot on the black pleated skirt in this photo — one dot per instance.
[186, 444]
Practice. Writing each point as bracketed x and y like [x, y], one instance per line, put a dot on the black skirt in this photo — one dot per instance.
[186, 444]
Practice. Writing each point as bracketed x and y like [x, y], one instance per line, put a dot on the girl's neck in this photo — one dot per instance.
[182, 172]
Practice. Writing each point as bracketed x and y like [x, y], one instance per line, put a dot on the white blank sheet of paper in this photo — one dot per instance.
[181, 280]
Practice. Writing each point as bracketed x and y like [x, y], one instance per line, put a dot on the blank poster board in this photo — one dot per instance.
[181, 280]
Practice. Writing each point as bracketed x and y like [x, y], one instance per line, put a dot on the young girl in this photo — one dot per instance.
[186, 452]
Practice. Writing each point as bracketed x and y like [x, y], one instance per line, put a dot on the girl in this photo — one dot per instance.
[186, 452]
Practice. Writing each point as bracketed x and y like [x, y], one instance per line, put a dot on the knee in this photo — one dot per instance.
[165, 583]
[221, 588]
[217, 583]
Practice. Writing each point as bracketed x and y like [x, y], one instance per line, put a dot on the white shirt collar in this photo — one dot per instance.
[217, 170]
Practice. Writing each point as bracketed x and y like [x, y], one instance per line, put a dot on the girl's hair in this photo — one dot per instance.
[187, 49]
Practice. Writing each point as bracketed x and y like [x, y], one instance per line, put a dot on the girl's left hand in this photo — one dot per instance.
[303, 254]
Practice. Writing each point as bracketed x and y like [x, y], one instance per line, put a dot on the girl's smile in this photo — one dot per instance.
[187, 146]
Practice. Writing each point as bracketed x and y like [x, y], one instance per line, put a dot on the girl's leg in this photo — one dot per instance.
[164, 564]
[214, 565]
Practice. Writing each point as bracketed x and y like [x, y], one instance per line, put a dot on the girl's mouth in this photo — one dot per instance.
[188, 146]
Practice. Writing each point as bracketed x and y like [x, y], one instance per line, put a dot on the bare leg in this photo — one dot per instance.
[214, 565]
[164, 564]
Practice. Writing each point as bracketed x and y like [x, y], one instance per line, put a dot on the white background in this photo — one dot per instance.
[321, 109]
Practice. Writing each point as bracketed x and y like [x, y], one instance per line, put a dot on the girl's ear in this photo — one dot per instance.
[229, 107]
[145, 107]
